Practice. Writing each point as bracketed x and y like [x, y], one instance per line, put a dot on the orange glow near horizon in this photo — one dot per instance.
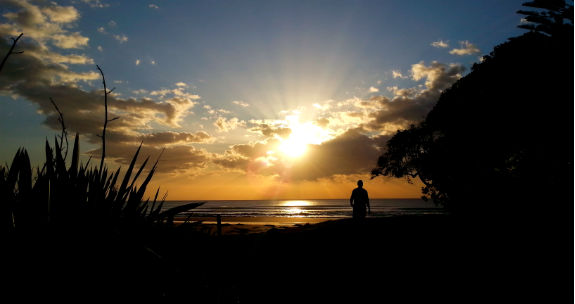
[238, 186]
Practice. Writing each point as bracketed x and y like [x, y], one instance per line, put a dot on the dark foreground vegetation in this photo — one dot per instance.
[407, 259]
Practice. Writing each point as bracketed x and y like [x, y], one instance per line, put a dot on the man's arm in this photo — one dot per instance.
[367, 201]
[351, 198]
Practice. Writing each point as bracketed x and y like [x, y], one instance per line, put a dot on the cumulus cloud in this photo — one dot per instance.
[174, 159]
[225, 125]
[358, 128]
[438, 76]
[169, 137]
[70, 41]
[44, 24]
[350, 153]
[61, 14]
[153, 6]
[44, 72]
[410, 105]
[466, 48]
[398, 74]
[440, 44]
[373, 89]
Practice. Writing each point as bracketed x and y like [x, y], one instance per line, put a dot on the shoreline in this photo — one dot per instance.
[256, 220]
[248, 225]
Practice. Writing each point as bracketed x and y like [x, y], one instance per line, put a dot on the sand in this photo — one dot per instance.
[249, 225]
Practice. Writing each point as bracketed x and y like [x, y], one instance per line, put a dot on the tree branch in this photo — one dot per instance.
[11, 51]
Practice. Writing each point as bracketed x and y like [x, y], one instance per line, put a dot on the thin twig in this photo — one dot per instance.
[11, 51]
[105, 120]
[64, 135]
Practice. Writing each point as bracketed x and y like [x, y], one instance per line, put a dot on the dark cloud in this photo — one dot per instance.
[163, 138]
[350, 153]
[173, 158]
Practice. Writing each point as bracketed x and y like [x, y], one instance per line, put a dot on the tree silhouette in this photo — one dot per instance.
[552, 18]
[504, 132]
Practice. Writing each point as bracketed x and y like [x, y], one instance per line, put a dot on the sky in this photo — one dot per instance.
[246, 99]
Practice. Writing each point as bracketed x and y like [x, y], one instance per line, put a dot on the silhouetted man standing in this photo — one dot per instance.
[359, 201]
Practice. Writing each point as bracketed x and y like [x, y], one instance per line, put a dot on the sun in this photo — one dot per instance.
[302, 135]
[293, 147]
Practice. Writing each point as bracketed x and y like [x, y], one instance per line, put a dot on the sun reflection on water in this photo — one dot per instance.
[293, 211]
[296, 203]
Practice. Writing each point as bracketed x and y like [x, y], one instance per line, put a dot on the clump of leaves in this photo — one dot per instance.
[76, 196]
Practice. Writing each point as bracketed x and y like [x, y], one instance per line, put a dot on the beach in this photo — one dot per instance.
[322, 261]
[408, 259]
[247, 225]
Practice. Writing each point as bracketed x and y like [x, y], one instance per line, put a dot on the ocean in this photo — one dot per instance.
[311, 209]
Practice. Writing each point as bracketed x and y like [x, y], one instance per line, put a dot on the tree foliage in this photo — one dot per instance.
[502, 133]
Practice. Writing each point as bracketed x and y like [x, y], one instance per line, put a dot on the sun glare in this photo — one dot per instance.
[302, 135]
[296, 203]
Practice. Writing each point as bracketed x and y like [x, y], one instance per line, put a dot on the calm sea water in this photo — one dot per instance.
[332, 208]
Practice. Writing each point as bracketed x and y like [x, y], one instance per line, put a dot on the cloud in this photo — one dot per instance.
[121, 38]
[373, 89]
[70, 41]
[174, 159]
[350, 153]
[241, 103]
[440, 44]
[467, 48]
[358, 128]
[96, 3]
[44, 72]
[251, 158]
[438, 76]
[398, 74]
[322, 122]
[181, 84]
[225, 125]
[44, 24]
[270, 131]
[100, 48]
[410, 105]
[61, 14]
[153, 6]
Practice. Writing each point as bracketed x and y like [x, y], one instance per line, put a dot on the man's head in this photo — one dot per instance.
[360, 183]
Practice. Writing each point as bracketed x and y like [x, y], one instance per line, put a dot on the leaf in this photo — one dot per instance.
[75, 156]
